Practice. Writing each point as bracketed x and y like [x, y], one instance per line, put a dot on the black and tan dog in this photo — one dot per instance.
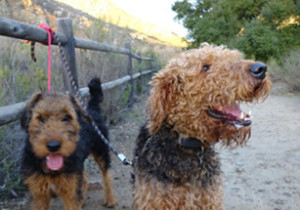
[60, 137]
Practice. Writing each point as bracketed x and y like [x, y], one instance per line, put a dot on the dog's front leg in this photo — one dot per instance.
[40, 191]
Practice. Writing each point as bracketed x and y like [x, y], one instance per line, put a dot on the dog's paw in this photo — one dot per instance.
[110, 203]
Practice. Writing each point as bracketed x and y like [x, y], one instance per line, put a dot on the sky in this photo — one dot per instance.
[157, 12]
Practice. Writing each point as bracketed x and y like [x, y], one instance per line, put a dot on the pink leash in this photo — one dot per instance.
[50, 38]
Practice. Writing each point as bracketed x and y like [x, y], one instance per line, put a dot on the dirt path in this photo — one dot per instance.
[263, 175]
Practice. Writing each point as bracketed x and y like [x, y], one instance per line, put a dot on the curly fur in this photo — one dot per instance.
[179, 166]
[183, 92]
[169, 176]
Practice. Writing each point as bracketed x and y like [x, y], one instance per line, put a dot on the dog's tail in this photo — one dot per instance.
[95, 92]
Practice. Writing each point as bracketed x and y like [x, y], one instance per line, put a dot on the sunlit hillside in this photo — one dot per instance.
[107, 11]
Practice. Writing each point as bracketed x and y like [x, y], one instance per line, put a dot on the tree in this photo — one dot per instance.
[260, 28]
[258, 40]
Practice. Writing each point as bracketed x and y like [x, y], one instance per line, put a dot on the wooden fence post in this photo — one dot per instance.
[139, 80]
[129, 72]
[64, 26]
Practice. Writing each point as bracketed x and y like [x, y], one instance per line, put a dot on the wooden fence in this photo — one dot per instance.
[15, 29]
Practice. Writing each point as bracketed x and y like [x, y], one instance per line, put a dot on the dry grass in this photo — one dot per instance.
[287, 69]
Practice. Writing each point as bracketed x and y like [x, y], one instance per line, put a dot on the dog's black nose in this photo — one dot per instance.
[53, 146]
[258, 70]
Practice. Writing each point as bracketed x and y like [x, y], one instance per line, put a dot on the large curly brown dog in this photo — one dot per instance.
[193, 105]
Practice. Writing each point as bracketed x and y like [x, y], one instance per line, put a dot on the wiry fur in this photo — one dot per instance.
[168, 175]
[58, 117]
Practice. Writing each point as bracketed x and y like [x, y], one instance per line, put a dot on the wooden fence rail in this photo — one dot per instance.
[15, 29]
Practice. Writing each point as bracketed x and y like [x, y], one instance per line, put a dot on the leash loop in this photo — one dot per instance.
[50, 34]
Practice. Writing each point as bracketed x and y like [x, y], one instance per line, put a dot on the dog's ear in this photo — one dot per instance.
[81, 113]
[27, 112]
[161, 99]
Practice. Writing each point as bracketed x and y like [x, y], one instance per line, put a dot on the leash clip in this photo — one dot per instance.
[124, 160]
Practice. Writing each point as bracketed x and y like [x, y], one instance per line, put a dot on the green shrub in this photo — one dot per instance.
[125, 95]
[139, 88]
[287, 68]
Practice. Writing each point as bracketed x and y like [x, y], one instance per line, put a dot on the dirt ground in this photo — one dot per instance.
[263, 175]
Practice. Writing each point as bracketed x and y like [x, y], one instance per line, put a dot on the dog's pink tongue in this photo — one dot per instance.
[54, 162]
[233, 110]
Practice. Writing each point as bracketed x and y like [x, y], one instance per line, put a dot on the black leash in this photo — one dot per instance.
[76, 93]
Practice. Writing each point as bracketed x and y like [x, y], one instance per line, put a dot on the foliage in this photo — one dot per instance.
[11, 181]
[139, 88]
[258, 40]
[10, 146]
[125, 96]
[261, 28]
[287, 68]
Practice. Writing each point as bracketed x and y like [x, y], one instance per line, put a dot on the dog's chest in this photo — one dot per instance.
[53, 190]
[171, 163]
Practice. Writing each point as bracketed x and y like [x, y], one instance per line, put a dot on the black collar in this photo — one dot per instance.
[191, 143]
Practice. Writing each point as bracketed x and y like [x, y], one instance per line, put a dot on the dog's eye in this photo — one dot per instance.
[66, 118]
[206, 67]
[41, 119]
